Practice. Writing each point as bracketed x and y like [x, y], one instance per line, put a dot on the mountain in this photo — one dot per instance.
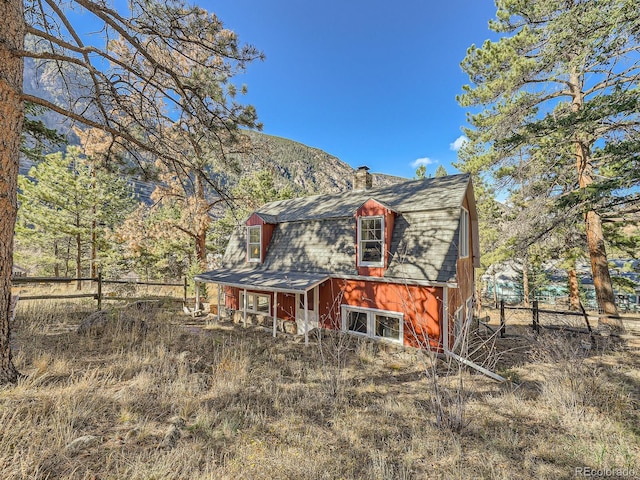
[307, 169]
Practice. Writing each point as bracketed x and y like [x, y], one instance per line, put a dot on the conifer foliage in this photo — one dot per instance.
[556, 115]
[68, 204]
[155, 78]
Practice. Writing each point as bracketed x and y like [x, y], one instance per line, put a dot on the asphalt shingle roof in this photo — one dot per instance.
[264, 280]
[317, 235]
[413, 195]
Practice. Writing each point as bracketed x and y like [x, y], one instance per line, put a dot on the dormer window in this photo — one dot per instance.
[371, 241]
[254, 243]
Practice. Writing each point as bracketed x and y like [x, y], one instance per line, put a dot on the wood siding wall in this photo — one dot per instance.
[286, 302]
[265, 236]
[371, 208]
[421, 306]
[466, 281]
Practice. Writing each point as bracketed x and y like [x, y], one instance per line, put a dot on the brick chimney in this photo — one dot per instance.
[362, 179]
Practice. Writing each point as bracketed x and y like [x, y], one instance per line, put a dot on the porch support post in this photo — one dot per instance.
[296, 310]
[244, 308]
[219, 295]
[275, 313]
[445, 319]
[197, 309]
[306, 318]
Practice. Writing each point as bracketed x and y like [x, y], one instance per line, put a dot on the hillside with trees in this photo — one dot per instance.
[181, 226]
[155, 81]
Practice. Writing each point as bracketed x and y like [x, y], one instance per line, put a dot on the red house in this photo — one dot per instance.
[394, 263]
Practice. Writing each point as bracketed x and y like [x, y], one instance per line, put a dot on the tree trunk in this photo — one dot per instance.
[67, 256]
[94, 251]
[94, 268]
[595, 238]
[201, 249]
[78, 261]
[600, 268]
[495, 291]
[12, 114]
[525, 281]
[202, 223]
[56, 265]
[574, 291]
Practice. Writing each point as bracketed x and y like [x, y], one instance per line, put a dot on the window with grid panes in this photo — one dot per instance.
[379, 324]
[371, 241]
[254, 244]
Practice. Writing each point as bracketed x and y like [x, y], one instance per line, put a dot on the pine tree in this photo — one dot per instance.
[65, 199]
[36, 136]
[162, 71]
[561, 109]
[441, 171]
[152, 248]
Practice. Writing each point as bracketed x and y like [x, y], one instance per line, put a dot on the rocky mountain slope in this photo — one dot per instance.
[308, 170]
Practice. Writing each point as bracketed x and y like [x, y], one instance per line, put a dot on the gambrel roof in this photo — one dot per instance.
[317, 234]
[409, 196]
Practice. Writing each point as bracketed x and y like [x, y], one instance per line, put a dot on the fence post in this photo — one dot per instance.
[99, 290]
[586, 319]
[535, 317]
[503, 323]
[184, 296]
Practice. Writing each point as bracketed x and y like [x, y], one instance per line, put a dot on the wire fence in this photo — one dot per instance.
[540, 317]
[626, 303]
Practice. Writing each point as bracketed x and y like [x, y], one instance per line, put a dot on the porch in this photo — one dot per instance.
[288, 301]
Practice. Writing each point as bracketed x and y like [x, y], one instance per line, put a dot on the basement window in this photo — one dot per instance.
[387, 326]
[371, 241]
[357, 321]
[369, 322]
[254, 243]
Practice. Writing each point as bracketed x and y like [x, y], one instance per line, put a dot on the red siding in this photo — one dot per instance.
[266, 233]
[465, 270]
[372, 208]
[465, 277]
[421, 306]
[286, 301]
[254, 220]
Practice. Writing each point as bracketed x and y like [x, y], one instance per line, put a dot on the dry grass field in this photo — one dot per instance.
[151, 396]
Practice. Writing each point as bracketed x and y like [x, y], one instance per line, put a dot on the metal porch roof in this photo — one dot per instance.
[277, 281]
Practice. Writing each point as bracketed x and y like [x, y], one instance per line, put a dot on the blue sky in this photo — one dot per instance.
[371, 82]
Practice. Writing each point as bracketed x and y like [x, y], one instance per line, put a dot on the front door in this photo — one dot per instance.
[312, 303]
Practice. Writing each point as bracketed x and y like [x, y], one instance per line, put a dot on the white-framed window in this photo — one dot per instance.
[369, 322]
[371, 241]
[256, 303]
[310, 301]
[254, 243]
[387, 326]
[464, 233]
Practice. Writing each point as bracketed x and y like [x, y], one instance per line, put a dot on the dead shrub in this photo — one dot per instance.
[333, 349]
[574, 384]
